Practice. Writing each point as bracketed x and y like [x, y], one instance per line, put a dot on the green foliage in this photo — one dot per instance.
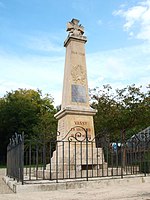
[46, 127]
[28, 111]
[126, 109]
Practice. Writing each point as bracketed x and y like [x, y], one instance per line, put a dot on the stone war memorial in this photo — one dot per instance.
[76, 150]
[77, 153]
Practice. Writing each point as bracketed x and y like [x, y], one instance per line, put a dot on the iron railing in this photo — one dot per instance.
[77, 156]
[15, 157]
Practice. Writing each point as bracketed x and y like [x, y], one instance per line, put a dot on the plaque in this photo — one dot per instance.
[78, 94]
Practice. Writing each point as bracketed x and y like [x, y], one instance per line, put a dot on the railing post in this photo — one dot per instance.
[122, 151]
[50, 155]
[22, 159]
[57, 161]
[86, 132]
[44, 158]
[145, 156]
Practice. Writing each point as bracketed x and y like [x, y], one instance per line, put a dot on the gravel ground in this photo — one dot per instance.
[111, 192]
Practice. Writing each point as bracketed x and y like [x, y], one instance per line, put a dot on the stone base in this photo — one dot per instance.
[76, 172]
[75, 163]
[97, 171]
[76, 158]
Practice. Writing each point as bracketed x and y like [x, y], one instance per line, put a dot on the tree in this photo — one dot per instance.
[103, 101]
[23, 110]
[126, 109]
[45, 129]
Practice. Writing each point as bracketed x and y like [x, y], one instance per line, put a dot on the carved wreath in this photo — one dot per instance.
[78, 74]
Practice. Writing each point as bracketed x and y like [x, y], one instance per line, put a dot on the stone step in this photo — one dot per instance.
[4, 189]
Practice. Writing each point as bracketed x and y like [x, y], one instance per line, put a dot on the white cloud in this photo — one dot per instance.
[137, 20]
[119, 67]
[7, 86]
[144, 34]
[42, 44]
[45, 73]
[37, 41]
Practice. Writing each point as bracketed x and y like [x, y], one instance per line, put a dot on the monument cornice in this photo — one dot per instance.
[75, 111]
[75, 38]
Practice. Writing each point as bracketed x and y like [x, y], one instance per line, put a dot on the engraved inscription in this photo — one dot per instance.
[75, 130]
[79, 94]
[79, 130]
[79, 53]
[80, 123]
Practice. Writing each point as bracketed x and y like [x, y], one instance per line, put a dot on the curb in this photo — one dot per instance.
[65, 185]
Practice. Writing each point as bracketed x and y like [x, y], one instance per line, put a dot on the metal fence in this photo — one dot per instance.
[15, 157]
[77, 156]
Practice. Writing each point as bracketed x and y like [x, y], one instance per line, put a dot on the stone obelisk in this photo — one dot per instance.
[76, 115]
[75, 109]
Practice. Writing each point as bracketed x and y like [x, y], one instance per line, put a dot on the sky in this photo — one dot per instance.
[32, 34]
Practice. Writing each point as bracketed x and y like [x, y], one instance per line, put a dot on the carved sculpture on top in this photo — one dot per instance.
[74, 28]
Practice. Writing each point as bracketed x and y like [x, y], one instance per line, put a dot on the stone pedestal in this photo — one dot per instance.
[74, 162]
